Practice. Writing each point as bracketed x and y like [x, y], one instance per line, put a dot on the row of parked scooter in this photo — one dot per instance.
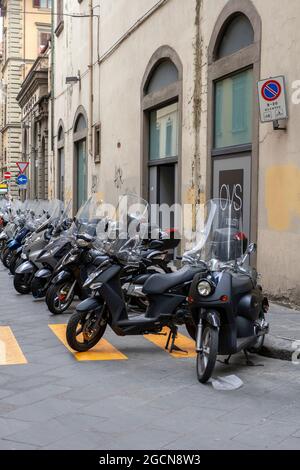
[120, 267]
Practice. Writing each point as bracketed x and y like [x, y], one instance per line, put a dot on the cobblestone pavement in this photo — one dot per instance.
[151, 400]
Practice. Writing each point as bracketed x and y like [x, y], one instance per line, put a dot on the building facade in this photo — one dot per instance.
[33, 100]
[161, 99]
[26, 31]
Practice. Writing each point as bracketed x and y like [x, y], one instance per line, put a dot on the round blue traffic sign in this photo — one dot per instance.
[271, 90]
[22, 179]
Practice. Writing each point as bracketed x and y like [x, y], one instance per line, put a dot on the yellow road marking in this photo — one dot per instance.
[103, 351]
[182, 341]
[10, 351]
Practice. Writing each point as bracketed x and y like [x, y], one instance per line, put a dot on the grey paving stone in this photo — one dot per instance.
[9, 445]
[10, 426]
[83, 440]
[291, 443]
[42, 434]
[269, 434]
[35, 395]
[43, 410]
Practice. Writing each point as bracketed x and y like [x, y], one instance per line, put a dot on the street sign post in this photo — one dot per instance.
[22, 166]
[7, 175]
[22, 179]
[272, 99]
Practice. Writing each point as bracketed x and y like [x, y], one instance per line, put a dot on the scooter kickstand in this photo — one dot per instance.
[226, 361]
[248, 362]
[168, 340]
[173, 335]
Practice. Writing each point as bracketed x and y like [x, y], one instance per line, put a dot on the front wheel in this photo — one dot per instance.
[206, 359]
[59, 297]
[22, 283]
[13, 262]
[85, 330]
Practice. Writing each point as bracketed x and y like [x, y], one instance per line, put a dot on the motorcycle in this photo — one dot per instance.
[70, 273]
[49, 257]
[33, 246]
[85, 256]
[167, 296]
[226, 302]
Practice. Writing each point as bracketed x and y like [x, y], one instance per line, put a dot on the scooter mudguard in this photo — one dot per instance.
[213, 319]
[25, 268]
[43, 274]
[19, 250]
[62, 276]
[88, 305]
[13, 245]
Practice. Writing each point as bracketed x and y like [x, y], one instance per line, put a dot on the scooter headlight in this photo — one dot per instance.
[204, 288]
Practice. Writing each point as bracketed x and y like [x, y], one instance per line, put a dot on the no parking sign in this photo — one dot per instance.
[272, 99]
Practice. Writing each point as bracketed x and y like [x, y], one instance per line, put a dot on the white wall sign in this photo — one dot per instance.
[272, 99]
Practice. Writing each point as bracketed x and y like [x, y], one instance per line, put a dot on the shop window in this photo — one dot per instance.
[44, 38]
[47, 4]
[234, 110]
[164, 132]
[97, 144]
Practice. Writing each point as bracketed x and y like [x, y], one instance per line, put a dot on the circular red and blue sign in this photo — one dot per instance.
[271, 90]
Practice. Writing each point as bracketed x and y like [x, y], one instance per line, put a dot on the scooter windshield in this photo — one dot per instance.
[128, 228]
[219, 238]
[89, 216]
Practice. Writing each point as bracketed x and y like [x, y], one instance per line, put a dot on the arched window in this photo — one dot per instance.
[163, 75]
[61, 163]
[80, 124]
[161, 107]
[80, 162]
[237, 35]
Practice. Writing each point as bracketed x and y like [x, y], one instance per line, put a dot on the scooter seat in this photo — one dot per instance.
[241, 284]
[141, 279]
[160, 283]
[99, 260]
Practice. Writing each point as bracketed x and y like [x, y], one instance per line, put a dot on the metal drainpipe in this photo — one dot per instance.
[91, 97]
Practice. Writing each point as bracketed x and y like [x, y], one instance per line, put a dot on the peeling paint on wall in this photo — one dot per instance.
[282, 196]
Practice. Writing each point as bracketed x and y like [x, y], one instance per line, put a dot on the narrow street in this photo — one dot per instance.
[131, 394]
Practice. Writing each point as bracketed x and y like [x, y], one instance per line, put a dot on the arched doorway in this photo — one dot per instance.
[161, 132]
[61, 163]
[233, 139]
[80, 161]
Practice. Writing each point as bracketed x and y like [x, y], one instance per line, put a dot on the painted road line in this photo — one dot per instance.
[182, 342]
[10, 351]
[103, 351]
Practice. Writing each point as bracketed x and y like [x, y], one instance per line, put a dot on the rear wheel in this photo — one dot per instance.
[84, 330]
[7, 255]
[206, 359]
[59, 297]
[22, 283]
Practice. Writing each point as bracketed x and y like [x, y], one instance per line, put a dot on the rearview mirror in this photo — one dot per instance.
[252, 248]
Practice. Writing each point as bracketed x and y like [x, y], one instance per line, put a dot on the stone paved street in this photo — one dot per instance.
[149, 401]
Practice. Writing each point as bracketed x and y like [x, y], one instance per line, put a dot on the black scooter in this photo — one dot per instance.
[226, 301]
[167, 297]
[229, 310]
